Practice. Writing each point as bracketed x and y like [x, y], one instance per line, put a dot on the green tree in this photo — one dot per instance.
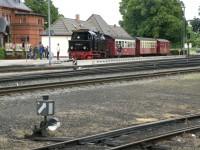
[195, 24]
[153, 18]
[41, 7]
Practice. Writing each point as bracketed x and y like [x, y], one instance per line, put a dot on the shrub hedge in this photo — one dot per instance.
[2, 53]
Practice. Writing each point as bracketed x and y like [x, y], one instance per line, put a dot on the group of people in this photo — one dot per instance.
[42, 51]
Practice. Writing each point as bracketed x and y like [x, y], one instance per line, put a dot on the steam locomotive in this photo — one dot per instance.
[87, 44]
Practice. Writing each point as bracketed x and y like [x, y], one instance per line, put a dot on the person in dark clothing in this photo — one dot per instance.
[30, 52]
[46, 51]
[41, 50]
[35, 50]
[58, 51]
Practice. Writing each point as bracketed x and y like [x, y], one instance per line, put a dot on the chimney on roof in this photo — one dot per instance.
[115, 25]
[77, 17]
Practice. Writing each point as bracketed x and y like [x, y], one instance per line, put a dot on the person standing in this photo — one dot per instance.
[47, 52]
[30, 54]
[35, 51]
[58, 51]
[41, 50]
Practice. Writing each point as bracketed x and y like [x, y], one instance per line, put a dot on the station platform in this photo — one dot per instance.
[67, 62]
[36, 62]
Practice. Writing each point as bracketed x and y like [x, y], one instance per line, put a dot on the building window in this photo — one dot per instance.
[24, 19]
[40, 21]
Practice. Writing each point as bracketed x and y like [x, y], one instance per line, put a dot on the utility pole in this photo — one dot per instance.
[184, 25]
[49, 23]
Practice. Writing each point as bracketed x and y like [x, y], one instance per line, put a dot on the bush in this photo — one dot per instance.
[174, 52]
[2, 53]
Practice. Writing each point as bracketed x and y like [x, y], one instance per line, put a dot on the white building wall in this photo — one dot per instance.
[62, 40]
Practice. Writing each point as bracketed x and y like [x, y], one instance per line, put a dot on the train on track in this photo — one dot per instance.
[86, 44]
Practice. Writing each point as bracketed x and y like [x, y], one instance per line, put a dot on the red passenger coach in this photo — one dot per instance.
[163, 47]
[146, 46]
[124, 48]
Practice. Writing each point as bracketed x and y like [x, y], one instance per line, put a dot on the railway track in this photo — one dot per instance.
[120, 68]
[102, 75]
[134, 137]
[102, 79]
[6, 69]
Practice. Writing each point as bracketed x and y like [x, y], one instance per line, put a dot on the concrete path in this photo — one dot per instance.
[31, 62]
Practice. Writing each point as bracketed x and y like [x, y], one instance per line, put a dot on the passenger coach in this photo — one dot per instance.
[163, 47]
[146, 46]
[124, 48]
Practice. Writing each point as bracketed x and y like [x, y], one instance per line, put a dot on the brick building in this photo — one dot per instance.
[19, 24]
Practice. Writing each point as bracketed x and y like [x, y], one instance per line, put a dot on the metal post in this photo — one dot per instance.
[49, 23]
[25, 47]
[184, 38]
[43, 124]
[188, 49]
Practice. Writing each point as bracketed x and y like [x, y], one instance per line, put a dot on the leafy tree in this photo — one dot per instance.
[41, 7]
[199, 10]
[195, 24]
[153, 18]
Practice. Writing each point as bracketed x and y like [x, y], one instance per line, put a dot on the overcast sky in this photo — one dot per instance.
[108, 9]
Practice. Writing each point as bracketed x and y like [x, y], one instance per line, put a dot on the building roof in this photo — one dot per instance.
[119, 32]
[14, 4]
[29, 14]
[65, 26]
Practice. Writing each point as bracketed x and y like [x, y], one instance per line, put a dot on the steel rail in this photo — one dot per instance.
[8, 90]
[107, 70]
[23, 68]
[155, 138]
[6, 69]
[182, 124]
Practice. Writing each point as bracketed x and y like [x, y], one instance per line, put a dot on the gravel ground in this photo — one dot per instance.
[92, 109]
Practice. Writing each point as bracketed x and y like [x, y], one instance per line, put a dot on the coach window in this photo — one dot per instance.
[122, 44]
[116, 43]
[130, 44]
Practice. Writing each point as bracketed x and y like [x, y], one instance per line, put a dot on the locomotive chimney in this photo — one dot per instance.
[77, 17]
